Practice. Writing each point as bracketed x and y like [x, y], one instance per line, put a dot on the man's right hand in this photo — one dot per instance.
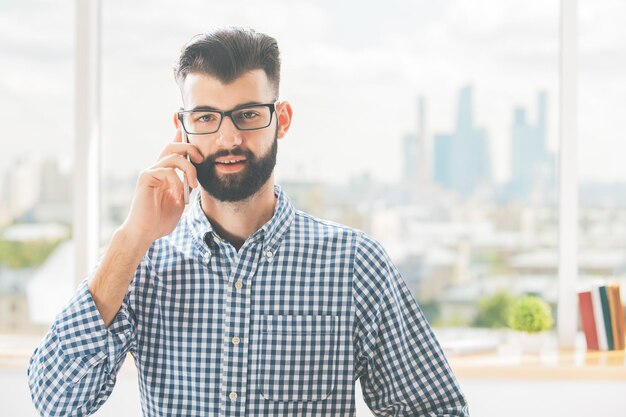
[158, 200]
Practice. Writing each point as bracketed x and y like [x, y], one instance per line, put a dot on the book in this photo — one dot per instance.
[621, 320]
[587, 321]
[598, 316]
[606, 312]
[610, 295]
[617, 316]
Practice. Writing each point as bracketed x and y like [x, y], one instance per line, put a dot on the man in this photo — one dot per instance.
[243, 306]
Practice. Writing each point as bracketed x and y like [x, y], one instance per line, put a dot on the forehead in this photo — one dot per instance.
[201, 89]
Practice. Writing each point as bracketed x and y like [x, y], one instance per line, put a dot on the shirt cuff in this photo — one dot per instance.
[84, 339]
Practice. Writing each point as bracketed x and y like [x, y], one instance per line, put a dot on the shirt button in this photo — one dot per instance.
[236, 340]
[232, 395]
[269, 254]
[239, 285]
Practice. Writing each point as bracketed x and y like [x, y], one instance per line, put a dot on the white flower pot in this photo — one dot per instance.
[532, 342]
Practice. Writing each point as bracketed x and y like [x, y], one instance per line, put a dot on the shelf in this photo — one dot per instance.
[550, 364]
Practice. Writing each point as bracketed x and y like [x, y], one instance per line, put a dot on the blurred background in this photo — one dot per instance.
[432, 126]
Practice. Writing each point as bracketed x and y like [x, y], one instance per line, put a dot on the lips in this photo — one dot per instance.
[225, 161]
[230, 167]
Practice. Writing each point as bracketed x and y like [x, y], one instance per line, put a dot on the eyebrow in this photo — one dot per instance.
[210, 108]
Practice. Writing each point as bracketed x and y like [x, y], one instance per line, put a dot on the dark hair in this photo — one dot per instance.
[227, 53]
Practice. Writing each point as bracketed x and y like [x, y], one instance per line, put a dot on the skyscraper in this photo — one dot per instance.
[414, 154]
[532, 166]
[462, 161]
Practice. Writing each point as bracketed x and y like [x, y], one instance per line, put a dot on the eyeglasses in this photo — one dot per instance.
[204, 122]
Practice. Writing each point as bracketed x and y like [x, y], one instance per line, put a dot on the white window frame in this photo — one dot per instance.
[567, 313]
[87, 120]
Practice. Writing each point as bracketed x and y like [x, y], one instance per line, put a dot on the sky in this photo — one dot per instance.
[352, 71]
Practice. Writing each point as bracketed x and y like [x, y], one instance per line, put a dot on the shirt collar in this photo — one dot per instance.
[270, 233]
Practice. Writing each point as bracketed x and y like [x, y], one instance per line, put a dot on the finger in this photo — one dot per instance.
[183, 149]
[178, 161]
[168, 175]
[175, 184]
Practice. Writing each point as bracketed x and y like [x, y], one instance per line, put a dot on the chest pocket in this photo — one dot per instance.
[298, 355]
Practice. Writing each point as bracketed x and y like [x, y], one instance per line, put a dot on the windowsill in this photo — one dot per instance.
[15, 350]
[549, 364]
[507, 362]
[496, 354]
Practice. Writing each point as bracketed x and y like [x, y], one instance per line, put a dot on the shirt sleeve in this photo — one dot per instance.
[401, 366]
[74, 369]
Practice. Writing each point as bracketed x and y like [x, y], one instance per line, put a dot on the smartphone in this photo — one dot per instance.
[186, 184]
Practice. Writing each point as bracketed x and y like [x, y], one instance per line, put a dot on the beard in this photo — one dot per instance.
[237, 186]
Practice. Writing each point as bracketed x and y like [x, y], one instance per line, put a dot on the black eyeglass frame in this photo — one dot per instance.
[272, 107]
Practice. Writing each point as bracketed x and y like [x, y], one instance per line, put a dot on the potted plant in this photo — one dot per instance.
[531, 316]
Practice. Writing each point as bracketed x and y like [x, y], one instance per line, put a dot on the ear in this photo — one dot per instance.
[284, 113]
[179, 128]
[176, 121]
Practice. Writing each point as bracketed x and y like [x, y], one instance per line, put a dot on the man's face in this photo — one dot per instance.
[258, 148]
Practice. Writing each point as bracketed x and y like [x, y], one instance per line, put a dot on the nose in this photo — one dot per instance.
[228, 135]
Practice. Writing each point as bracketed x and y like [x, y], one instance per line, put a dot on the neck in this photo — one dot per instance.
[235, 221]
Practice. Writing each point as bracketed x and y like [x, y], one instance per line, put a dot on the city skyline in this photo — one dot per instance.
[329, 71]
[458, 160]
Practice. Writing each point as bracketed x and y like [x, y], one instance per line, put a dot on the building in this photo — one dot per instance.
[532, 166]
[462, 158]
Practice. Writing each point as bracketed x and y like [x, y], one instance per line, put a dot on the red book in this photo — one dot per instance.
[587, 320]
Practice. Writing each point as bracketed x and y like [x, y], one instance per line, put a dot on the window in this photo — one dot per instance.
[602, 210]
[436, 132]
[36, 103]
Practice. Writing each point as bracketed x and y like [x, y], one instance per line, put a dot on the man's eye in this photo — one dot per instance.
[248, 115]
[205, 118]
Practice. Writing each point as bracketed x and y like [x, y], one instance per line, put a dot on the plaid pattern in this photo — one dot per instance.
[284, 327]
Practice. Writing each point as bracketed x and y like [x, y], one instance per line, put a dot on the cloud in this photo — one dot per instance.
[353, 71]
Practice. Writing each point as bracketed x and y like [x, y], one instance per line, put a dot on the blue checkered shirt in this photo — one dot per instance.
[282, 327]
